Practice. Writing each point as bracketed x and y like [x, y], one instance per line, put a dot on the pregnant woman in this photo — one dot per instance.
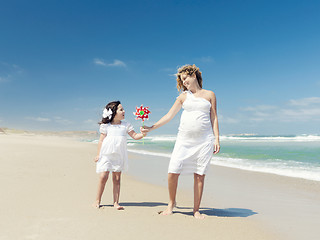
[198, 136]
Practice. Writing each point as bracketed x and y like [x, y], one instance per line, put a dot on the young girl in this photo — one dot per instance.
[195, 141]
[112, 149]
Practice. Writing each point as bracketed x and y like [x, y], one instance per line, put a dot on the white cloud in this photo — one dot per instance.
[171, 71]
[3, 79]
[63, 121]
[116, 63]
[9, 71]
[257, 119]
[99, 62]
[295, 110]
[39, 119]
[229, 120]
[58, 120]
[305, 101]
[259, 108]
[90, 123]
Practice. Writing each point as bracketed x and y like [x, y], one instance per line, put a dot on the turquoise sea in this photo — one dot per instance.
[287, 155]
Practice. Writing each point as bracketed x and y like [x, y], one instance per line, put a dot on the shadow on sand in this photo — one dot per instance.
[227, 212]
[139, 204]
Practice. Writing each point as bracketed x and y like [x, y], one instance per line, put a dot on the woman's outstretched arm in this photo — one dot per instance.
[168, 117]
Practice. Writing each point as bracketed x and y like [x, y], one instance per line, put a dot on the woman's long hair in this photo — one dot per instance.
[189, 70]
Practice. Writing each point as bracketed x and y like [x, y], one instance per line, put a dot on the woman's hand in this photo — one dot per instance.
[216, 147]
[96, 158]
[145, 129]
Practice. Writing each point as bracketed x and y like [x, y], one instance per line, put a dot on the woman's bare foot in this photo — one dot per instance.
[166, 212]
[169, 210]
[198, 215]
[96, 205]
[118, 207]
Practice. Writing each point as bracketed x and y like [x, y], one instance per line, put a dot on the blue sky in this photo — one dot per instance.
[62, 61]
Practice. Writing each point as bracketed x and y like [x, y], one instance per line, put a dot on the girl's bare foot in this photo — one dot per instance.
[198, 215]
[118, 207]
[96, 205]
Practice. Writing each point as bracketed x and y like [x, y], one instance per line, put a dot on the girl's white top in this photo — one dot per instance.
[113, 154]
[194, 147]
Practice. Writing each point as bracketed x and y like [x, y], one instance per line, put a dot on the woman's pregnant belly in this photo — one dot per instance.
[195, 123]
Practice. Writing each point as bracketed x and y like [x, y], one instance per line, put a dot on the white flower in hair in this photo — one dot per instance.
[107, 113]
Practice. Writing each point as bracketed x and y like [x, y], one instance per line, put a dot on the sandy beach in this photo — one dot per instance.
[48, 184]
[288, 206]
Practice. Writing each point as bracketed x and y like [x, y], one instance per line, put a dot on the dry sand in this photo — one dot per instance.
[48, 184]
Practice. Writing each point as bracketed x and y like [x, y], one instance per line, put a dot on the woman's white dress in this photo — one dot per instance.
[113, 154]
[194, 146]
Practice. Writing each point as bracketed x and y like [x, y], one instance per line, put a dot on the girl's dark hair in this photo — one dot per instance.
[113, 106]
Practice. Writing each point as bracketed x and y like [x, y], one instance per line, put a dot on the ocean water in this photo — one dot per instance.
[293, 156]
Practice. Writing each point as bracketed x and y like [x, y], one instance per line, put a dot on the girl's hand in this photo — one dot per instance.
[216, 147]
[145, 129]
[96, 158]
[143, 133]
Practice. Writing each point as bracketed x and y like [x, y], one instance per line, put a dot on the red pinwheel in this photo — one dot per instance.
[142, 113]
